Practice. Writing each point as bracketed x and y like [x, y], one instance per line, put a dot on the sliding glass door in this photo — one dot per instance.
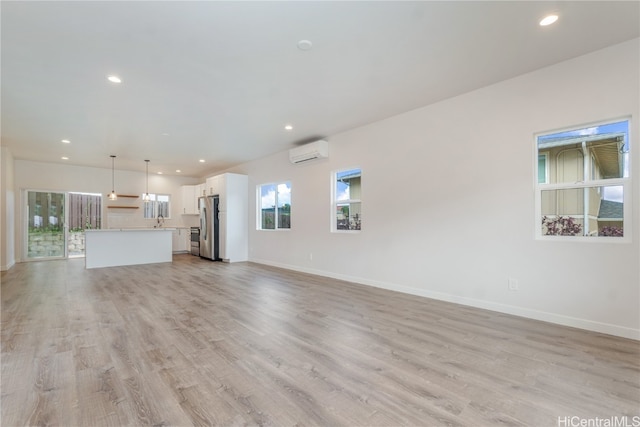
[56, 222]
[46, 225]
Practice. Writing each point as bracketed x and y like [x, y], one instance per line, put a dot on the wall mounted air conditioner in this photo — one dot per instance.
[313, 150]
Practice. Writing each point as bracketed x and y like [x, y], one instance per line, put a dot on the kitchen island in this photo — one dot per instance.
[127, 246]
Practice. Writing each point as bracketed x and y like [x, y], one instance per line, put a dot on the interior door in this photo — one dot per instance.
[46, 225]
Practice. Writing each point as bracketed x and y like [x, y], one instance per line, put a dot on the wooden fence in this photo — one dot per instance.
[84, 211]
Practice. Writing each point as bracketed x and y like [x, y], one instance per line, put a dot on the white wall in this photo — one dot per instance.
[448, 201]
[58, 177]
[7, 210]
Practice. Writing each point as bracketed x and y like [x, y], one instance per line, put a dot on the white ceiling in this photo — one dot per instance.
[219, 80]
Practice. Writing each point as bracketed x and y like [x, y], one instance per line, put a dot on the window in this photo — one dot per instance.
[346, 209]
[542, 168]
[582, 181]
[158, 206]
[274, 206]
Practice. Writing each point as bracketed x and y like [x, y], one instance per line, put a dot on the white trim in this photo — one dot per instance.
[24, 208]
[625, 182]
[8, 266]
[154, 201]
[545, 154]
[258, 210]
[559, 319]
[613, 182]
[586, 125]
[333, 222]
[275, 211]
[626, 220]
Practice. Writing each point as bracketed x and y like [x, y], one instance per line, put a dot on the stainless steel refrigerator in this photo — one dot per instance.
[209, 227]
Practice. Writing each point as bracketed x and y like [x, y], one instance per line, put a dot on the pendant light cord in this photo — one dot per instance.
[146, 196]
[113, 195]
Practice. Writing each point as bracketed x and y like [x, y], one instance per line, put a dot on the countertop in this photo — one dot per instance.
[132, 229]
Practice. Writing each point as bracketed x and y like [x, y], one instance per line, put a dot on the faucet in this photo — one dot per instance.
[160, 221]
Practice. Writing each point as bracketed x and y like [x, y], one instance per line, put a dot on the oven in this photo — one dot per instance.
[195, 241]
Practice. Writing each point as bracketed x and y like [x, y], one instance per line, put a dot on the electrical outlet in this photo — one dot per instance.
[513, 284]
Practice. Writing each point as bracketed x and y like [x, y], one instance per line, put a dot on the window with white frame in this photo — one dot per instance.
[158, 206]
[274, 206]
[347, 205]
[543, 172]
[583, 182]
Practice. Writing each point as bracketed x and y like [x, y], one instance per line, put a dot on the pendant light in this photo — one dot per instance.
[113, 195]
[146, 196]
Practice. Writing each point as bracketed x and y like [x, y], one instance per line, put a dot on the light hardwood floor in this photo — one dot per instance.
[195, 342]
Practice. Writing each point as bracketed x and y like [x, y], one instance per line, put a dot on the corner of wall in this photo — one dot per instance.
[7, 210]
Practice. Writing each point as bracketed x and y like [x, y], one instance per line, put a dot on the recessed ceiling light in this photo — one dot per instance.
[159, 173]
[114, 79]
[548, 20]
[201, 160]
[165, 134]
[66, 141]
[305, 45]
[64, 158]
[178, 170]
[288, 127]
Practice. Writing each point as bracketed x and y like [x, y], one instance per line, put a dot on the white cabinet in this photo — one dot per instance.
[213, 185]
[189, 200]
[112, 247]
[190, 194]
[233, 207]
[234, 216]
[180, 240]
[200, 190]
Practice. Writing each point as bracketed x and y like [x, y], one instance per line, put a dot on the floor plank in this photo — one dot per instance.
[195, 342]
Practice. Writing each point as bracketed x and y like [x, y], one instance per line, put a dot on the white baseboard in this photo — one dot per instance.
[8, 266]
[544, 316]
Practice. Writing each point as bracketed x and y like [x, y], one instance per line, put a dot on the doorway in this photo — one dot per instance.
[56, 222]
[46, 230]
